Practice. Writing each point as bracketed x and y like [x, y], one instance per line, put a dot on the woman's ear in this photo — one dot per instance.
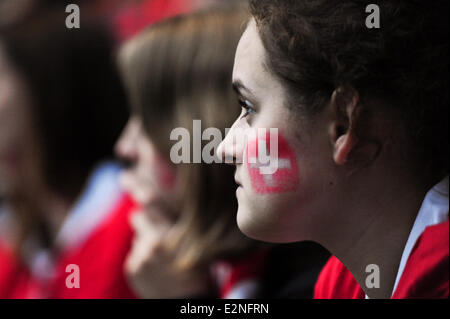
[344, 106]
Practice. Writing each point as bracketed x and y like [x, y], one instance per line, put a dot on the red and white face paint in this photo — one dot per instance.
[271, 163]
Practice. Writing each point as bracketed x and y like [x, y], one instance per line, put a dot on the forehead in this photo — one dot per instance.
[249, 65]
[251, 70]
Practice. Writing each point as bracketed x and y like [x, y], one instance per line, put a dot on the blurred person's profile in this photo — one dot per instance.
[187, 243]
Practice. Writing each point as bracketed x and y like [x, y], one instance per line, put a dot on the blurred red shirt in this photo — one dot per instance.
[96, 238]
[135, 18]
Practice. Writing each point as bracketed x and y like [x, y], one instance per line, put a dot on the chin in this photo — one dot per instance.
[255, 227]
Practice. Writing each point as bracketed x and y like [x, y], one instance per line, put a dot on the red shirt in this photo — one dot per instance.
[100, 259]
[134, 19]
[426, 274]
[240, 278]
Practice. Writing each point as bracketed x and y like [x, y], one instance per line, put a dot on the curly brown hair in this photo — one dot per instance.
[315, 46]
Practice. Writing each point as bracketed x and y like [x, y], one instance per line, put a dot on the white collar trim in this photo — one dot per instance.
[94, 206]
[434, 210]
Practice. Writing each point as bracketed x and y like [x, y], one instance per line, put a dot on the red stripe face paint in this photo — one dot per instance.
[263, 154]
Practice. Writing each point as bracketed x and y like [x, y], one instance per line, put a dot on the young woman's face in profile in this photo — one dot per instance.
[148, 178]
[286, 205]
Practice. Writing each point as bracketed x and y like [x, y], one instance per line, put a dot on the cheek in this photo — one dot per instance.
[166, 175]
[155, 170]
[9, 124]
[275, 173]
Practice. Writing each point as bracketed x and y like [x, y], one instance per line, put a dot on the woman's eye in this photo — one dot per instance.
[247, 106]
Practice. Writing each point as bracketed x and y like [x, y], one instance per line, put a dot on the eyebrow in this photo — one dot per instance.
[238, 87]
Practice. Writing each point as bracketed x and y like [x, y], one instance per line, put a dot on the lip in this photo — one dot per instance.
[236, 179]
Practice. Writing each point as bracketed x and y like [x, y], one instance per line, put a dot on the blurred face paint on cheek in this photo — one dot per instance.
[285, 177]
[166, 175]
[149, 177]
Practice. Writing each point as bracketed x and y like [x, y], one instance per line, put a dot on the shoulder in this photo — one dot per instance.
[103, 252]
[336, 282]
[7, 257]
[426, 273]
[14, 275]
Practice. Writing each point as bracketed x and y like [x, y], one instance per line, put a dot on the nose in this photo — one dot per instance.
[231, 149]
[126, 146]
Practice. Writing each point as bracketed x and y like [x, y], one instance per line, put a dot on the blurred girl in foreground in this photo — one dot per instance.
[187, 243]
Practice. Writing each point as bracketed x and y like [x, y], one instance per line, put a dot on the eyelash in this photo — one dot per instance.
[246, 105]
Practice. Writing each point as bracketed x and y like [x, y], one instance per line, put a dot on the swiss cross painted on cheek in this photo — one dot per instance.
[285, 178]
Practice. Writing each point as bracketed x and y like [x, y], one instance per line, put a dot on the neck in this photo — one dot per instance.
[54, 213]
[371, 228]
[45, 209]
